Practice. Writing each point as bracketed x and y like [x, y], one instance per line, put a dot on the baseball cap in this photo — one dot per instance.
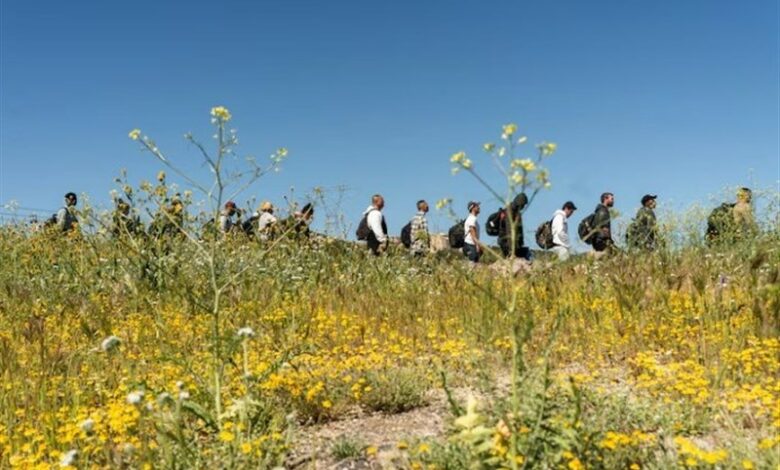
[648, 197]
[472, 204]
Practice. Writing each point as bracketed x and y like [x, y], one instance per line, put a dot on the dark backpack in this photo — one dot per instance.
[248, 227]
[493, 224]
[406, 235]
[719, 220]
[363, 229]
[544, 235]
[457, 235]
[51, 221]
[586, 229]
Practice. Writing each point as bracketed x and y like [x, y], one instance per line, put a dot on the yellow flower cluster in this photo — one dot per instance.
[221, 113]
[691, 455]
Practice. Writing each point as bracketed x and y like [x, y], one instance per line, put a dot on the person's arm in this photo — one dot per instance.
[62, 215]
[375, 224]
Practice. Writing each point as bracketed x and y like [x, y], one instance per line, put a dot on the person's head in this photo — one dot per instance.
[519, 202]
[744, 195]
[608, 199]
[71, 199]
[378, 201]
[473, 207]
[568, 208]
[422, 206]
[230, 208]
[307, 212]
[648, 200]
[267, 207]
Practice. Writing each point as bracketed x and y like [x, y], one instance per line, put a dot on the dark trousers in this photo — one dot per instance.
[471, 252]
[373, 244]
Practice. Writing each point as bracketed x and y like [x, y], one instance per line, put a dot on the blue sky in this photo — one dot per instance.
[668, 97]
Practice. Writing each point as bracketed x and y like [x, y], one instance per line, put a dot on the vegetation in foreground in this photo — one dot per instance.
[644, 361]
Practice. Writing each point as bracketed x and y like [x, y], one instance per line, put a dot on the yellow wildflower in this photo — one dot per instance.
[221, 113]
[135, 134]
[226, 436]
[509, 129]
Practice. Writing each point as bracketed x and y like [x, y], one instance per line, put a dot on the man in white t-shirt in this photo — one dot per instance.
[377, 236]
[560, 231]
[471, 244]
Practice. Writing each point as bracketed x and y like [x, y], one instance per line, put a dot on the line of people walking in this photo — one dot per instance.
[729, 221]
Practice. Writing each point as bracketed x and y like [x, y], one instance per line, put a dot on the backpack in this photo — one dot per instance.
[544, 235]
[493, 224]
[719, 220]
[586, 230]
[457, 235]
[248, 227]
[51, 221]
[406, 235]
[363, 229]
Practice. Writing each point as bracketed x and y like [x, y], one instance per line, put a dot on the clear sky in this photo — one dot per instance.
[678, 98]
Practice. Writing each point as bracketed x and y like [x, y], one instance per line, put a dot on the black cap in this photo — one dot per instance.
[569, 205]
[648, 197]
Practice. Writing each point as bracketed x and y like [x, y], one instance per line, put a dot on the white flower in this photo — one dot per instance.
[135, 398]
[179, 385]
[522, 140]
[184, 395]
[87, 425]
[110, 343]
[68, 458]
[246, 332]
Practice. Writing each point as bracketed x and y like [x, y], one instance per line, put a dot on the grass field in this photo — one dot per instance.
[113, 357]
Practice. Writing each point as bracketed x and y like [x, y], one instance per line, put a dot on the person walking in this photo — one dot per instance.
[642, 234]
[560, 231]
[420, 238]
[66, 219]
[227, 223]
[744, 223]
[602, 224]
[514, 217]
[376, 238]
[472, 248]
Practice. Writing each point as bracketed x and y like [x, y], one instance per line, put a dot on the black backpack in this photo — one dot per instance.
[719, 220]
[493, 224]
[544, 235]
[457, 235]
[586, 229]
[406, 235]
[248, 227]
[363, 229]
[51, 221]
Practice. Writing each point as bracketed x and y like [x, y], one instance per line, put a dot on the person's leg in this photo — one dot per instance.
[562, 252]
[373, 244]
[471, 252]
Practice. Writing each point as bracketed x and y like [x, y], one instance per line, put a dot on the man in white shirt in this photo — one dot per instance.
[471, 244]
[377, 235]
[226, 222]
[560, 231]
